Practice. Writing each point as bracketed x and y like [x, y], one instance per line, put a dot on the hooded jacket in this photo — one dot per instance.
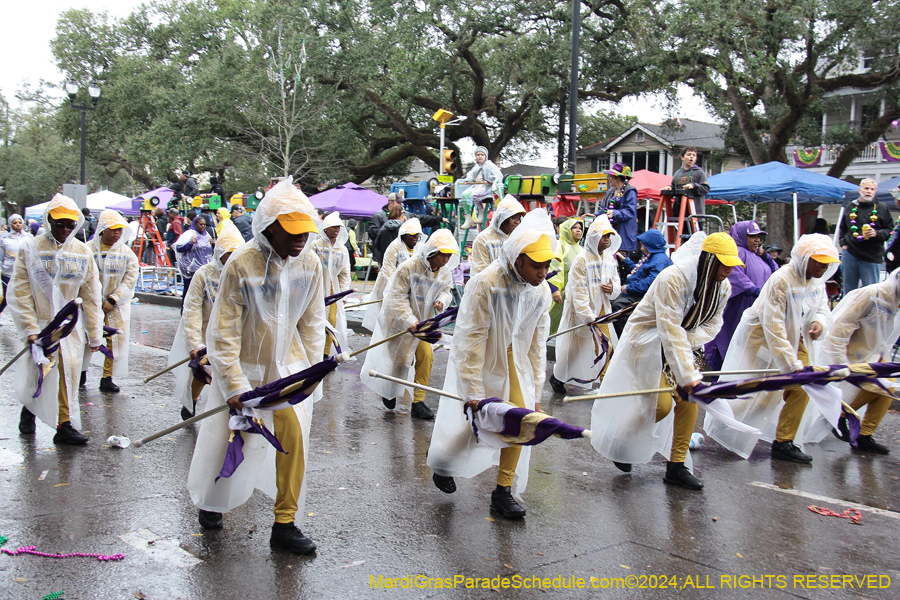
[642, 275]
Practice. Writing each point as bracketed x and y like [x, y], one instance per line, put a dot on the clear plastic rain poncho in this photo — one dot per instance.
[409, 298]
[198, 303]
[486, 247]
[268, 322]
[395, 255]
[46, 276]
[336, 266]
[118, 269]
[865, 326]
[625, 428]
[768, 337]
[577, 351]
[499, 310]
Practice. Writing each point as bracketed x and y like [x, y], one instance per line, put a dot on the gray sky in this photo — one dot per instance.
[30, 25]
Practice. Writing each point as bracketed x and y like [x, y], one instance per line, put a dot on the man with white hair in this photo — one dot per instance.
[865, 227]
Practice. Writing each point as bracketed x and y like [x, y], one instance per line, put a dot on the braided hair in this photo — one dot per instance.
[706, 292]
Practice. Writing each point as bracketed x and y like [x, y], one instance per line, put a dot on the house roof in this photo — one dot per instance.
[674, 133]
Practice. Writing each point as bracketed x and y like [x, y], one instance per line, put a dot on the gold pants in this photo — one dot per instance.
[509, 457]
[424, 360]
[62, 397]
[196, 387]
[107, 361]
[605, 329]
[290, 467]
[332, 318]
[685, 420]
[795, 401]
[878, 406]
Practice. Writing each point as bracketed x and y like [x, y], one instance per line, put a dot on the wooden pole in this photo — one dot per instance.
[362, 304]
[384, 341]
[618, 394]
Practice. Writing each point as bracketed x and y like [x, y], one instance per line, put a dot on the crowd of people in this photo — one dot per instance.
[256, 309]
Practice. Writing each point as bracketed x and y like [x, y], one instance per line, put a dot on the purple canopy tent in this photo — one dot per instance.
[351, 200]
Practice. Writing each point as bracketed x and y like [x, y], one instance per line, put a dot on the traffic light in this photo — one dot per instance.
[448, 164]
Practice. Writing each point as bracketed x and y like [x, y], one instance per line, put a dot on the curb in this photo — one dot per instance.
[158, 299]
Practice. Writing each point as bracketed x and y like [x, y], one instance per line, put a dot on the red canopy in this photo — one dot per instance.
[649, 183]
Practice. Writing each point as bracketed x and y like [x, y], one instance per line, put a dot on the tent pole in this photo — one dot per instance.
[754, 210]
[837, 228]
[369, 268]
[647, 215]
[796, 218]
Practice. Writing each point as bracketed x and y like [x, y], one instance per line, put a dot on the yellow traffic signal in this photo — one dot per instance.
[448, 164]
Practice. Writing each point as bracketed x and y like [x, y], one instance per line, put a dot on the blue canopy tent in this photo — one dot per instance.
[778, 182]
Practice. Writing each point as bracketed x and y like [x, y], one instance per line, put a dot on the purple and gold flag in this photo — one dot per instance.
[429, 330]
[329, 300]
[104, 349]
[198, 367]
[499, 424]
[43, 350]
[601, 341]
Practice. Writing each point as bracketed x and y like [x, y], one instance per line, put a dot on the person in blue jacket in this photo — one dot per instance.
[642, 274]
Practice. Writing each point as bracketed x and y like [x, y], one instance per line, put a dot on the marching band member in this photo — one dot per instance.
[486, 247]
[332, 251]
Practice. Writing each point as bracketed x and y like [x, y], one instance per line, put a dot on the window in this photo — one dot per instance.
[869, 114]
[639, 136]
[602, 163]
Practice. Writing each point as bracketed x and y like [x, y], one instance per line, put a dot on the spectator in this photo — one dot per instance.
[653, 247]
[690, 180]
[189, 185]
[384, 225]
[10, 243]
[620, 206]
[865, 227]
[173, 232]
[746, 284]
[570, 234]
[193, 250]
[775, 254]
[352, 247]
[86, 232]
[216, 188]
[242, 221]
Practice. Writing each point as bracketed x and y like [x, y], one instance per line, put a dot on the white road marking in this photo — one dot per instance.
[835, 501]
[161, 548]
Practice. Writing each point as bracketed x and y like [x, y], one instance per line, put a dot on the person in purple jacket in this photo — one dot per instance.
[746, 282]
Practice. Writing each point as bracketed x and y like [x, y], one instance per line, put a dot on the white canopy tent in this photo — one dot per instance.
[95, 202]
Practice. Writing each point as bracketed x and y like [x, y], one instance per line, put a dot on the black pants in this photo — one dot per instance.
[5, 280]
[187, 284]
[618, 304]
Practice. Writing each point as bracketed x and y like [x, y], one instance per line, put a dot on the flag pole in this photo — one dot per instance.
[378, 343]
[618, 394]
[286, 391]
[411, 384]
[363, 303]
[15, 358]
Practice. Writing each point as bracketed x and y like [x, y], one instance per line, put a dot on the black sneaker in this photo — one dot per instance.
[445, 484]
[421, 411]
[389, 403]
[842, 432]
[503, 503]
[865, 443]
[788, 451]
[287, 536]
[26, 421]
[107, 385]
[210, 520]
[558, 386]
[678, 474]
[185, 413]
[83, 381]
[624, 467]
[66, 434]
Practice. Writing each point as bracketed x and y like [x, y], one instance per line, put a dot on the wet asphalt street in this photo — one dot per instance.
[373, 511]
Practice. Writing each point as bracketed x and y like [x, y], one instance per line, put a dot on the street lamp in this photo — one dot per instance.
[94, 93]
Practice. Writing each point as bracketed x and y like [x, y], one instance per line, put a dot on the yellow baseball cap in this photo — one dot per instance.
[116, 226]
[61, 212]
[825, 259]
[723, 246]
[540, 250]
[296, 223]
[444, 242]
